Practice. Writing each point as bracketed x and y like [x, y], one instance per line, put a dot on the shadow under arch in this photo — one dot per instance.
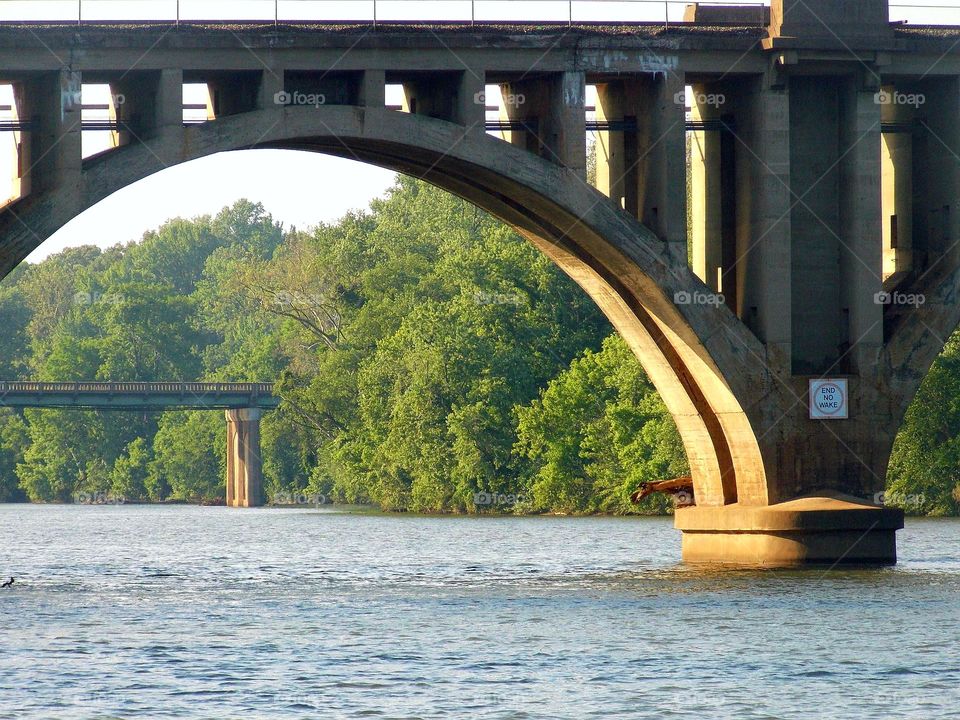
[697, 356]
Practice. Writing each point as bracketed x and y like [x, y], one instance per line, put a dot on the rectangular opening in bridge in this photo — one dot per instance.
[431, 93]
[712, 190]
[598, 145]
[316, 87]
[10, 144]
[196, 104]
[393, 97]
[226, 92]
[98, 115]
[496, 120]
[896, 183]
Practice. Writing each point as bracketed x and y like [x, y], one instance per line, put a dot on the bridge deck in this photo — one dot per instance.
[138, 395]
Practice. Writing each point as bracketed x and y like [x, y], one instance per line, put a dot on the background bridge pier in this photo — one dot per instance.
[244, 463]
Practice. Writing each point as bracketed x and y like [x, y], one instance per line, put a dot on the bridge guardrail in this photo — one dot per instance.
[177, 12]
[351, 11]
[195, 388]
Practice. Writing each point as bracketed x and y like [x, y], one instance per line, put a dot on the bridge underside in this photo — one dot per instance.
[743, 246]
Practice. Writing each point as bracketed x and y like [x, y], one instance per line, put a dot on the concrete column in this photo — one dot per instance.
[51, 152]
[271, 85]
[618, 102]
[456, 97]
[764, 237]
[169, 102]
[556, 104]
[373, 88]
[706, 189]
[860, 220]
[244, 479]
[568, 122]
[136, 104]
[167, 119]
[816, 119]
[470, 109]
[662, 152]
[936, 186]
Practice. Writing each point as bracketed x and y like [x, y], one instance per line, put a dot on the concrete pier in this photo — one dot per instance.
[244, 463]
[797, 532]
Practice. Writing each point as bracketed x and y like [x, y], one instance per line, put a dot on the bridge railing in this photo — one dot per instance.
[138, 388]
[351, 11]
[666, 12]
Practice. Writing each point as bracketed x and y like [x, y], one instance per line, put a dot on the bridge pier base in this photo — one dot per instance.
[825, 529]
[244, 463]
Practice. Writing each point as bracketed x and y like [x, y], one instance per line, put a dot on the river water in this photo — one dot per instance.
[190, 612]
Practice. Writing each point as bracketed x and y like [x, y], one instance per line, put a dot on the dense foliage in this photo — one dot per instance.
[924, 474]
[428, 360]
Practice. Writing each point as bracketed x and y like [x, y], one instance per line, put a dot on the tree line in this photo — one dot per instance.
[428, 360]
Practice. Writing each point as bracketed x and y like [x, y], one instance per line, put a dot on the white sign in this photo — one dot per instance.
[828, 399]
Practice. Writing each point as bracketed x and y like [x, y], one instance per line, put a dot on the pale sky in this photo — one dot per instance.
[298, 188]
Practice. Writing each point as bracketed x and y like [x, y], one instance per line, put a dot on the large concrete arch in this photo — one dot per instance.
[697, 355]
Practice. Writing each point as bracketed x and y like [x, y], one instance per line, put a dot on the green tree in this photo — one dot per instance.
[189, 457]
[130, 472]
[924, 471]
[599, 430]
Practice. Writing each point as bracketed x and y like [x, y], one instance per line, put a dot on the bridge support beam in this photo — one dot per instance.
[640, 158]
[554, 106]
[244, 463]
[618, 103]
[51, 152]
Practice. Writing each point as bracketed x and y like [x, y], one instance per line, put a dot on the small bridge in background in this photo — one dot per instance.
[243, 404]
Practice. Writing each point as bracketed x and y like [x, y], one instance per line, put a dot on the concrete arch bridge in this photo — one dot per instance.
[768, 200]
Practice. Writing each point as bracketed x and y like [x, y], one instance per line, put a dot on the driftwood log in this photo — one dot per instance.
[681, 488]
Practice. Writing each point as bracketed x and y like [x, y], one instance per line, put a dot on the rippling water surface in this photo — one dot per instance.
[188, 612]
